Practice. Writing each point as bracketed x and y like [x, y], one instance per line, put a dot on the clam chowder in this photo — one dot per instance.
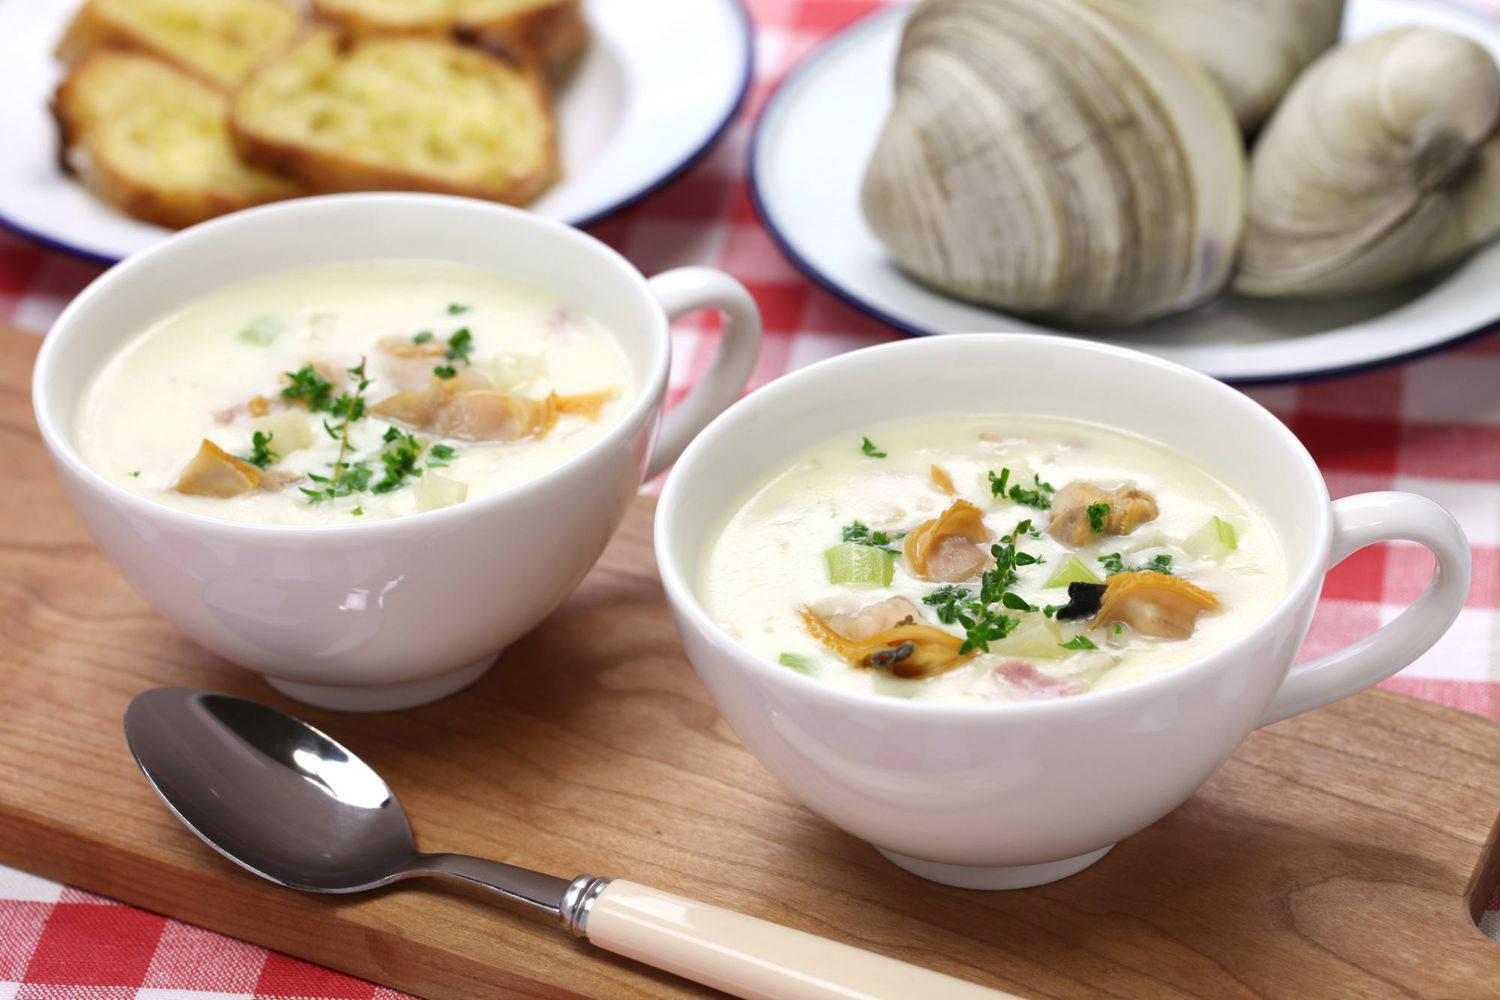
[991, 558]
[347, 393]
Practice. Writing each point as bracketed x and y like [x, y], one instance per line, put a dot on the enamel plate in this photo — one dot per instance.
[817, 132]
[660, 82]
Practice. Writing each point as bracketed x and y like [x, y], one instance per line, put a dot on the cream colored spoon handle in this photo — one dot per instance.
[754, 958]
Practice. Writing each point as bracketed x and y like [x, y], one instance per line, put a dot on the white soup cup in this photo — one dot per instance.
[386, 614]
[1006, 795]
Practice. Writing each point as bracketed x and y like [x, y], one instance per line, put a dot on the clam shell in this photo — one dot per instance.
[1055, 158]
[1253, 49]
[1381, 163]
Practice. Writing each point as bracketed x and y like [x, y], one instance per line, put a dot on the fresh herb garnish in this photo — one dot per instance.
[345, 477]
[983, 616]
[358, 511]
[439, 455]
[1079, 641]
[860, 534]
[1016, 602]
[460, 345]
[399, 456]
[457, 309]
[1119, 628]
[136, 474]
[313, 389]
[422, 337]
[1039, 497]
[868, 447]
[1113, 563]
[948, 600]
[261, 455]
[1097, 513]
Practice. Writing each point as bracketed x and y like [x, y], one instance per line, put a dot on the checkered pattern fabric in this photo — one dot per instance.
[1432, 427]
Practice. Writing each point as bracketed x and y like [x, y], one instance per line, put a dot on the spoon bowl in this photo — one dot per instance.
[269, 792]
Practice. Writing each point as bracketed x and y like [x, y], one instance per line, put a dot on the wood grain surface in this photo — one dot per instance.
[1334, 855]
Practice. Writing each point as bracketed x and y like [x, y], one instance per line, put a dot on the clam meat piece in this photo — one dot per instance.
[1129, 508]
[1253, 49]
[947, 547]
[1056, 158]
[213, 472]
[460, 408]
[909, 650]
[1154, 604]
[1382, 163]
[875, 618]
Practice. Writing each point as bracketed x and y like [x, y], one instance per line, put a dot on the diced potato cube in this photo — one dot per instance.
[434, 491]
[289, 430]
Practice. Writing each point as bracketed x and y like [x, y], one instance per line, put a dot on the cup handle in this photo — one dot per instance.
[686, 289]
[1364, 520]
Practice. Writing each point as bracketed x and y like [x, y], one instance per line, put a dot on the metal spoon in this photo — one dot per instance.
[280, 798]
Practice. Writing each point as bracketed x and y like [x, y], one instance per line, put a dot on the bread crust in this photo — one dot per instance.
[82, 154]
[92, 31]
[326, 171]
[552, 35]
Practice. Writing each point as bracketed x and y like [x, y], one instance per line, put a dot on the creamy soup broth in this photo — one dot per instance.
[1198, 566]
[474, 383]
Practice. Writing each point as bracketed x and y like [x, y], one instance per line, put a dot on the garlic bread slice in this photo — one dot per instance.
[551, 34]
[398, 113]
[219, 41]
[152, 141]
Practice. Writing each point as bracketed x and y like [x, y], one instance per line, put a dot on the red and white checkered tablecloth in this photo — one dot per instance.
[1430, 426]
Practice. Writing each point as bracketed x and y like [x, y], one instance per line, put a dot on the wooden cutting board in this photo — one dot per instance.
[1344, 852]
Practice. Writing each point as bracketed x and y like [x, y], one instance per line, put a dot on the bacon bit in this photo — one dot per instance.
[943, 481]
[947, 548]
[586, 404]
[908, 651]
[1027, 679]
[214, 472]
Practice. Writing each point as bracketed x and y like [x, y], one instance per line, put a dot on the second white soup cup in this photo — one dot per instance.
[392, 613]
[1008, 795]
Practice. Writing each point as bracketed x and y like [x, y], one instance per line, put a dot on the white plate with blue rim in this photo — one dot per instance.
[658, 86]
[807, 160]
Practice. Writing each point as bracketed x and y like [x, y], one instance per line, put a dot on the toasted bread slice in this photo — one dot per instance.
[549, 33]
[398, 113]
[152, 141]
[219, 41]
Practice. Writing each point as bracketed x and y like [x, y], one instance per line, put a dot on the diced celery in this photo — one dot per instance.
[796, 661]
[1072, 571]
[1214, 540]
[860, 565]
[262, 330]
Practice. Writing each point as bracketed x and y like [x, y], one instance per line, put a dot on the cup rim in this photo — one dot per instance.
[55, 347]
[683, 598]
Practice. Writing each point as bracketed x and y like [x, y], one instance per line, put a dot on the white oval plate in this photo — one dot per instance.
[660, 83]
[807, 160]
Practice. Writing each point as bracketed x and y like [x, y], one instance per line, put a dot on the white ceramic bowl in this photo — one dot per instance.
[392, 613]
[1010, 795]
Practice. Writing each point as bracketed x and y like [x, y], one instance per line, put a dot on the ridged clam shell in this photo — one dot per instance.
[1381, 163]
[1055, 158]
[1253, 49]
